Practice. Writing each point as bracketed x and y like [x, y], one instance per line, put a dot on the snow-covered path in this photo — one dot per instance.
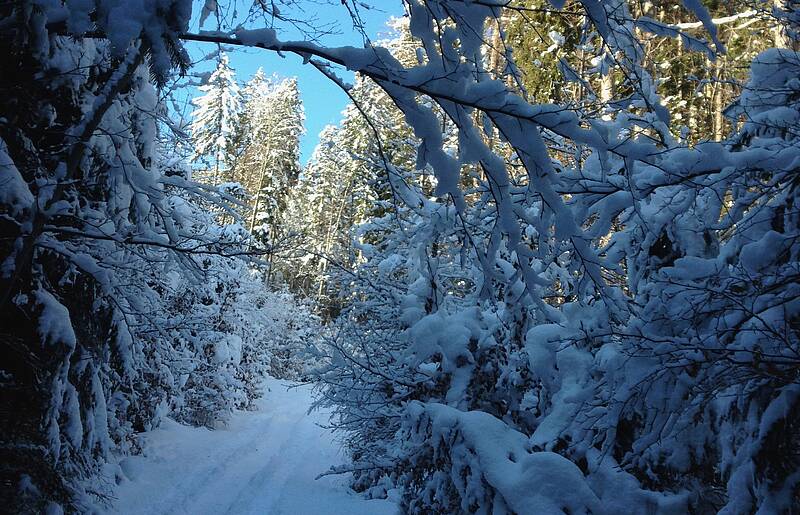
[264, 462]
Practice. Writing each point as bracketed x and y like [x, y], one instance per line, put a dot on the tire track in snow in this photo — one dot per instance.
[179, 498]
[264, 462]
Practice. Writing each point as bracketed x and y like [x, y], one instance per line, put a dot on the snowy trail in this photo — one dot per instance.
[264, 462]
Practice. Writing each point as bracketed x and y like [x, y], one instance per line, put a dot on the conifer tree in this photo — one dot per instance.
[347, 180]
[269, 164]
[214, 121]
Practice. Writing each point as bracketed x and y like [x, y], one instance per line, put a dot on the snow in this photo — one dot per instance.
[257, 37]
[264, 462]
[544, 483]
[14, 191]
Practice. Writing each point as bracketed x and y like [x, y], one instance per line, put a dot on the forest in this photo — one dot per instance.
[546, 262]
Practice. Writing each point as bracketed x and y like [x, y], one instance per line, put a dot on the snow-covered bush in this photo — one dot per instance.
[226, 334]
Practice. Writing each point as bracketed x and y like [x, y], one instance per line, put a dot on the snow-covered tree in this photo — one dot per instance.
[215, 119]
[590, 333]
[123, 301]
[347, 181]
[269, 163]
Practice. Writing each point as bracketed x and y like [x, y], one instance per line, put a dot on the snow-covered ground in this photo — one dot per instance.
[263, 462]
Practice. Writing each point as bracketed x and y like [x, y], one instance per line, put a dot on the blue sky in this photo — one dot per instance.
[323, 100]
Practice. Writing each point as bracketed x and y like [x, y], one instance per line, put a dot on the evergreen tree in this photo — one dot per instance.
[580, 312]
[254, 92]
[695, 86]
[215, 119]
[269, 164]
[123, 301]
[347, 181]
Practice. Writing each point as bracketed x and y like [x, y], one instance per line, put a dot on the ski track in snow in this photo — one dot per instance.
[263, 462]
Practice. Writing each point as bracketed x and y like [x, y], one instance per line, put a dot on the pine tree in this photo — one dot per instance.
[347, 180]
[215, 119]
[695, 86]
[254, 92]
[580, 312]
[269, 164]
